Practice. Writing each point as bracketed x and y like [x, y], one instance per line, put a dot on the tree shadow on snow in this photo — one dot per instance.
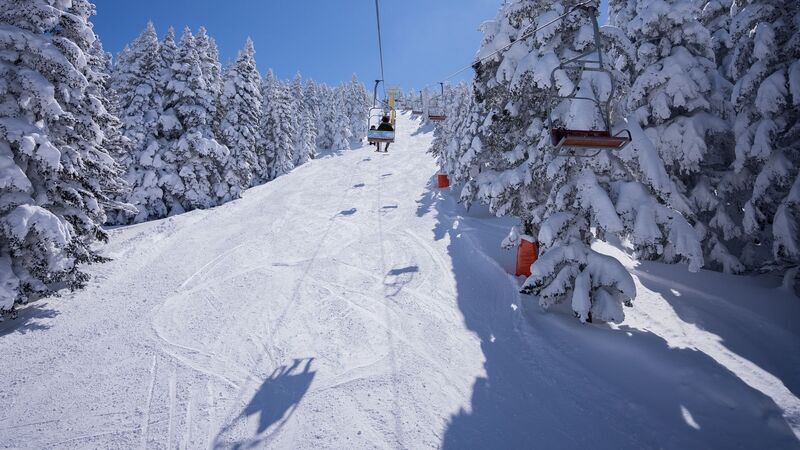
[551, 382]
[750, 317]
[277, 399]
[329, 153]
[29, 319]
[424, 128]
[426, 202]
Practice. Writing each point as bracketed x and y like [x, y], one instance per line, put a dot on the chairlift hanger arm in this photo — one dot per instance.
[571, 142]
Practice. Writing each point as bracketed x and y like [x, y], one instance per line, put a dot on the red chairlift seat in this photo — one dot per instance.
[601, 139]
[437, 117]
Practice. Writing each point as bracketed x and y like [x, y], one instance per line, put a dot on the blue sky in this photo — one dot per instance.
[328, 40]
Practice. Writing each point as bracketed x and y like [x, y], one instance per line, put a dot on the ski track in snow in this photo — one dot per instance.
[350, 304]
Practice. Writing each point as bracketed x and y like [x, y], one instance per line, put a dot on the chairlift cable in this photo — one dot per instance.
[380, 42]
[526, 33]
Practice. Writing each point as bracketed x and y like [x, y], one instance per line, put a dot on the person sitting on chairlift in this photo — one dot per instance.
[372, 128]
[385, 126]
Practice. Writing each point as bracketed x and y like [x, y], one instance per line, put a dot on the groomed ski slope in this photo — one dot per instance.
[350, 304]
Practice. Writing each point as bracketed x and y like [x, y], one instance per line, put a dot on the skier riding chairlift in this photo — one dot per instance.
[384, 126]
[372, 128]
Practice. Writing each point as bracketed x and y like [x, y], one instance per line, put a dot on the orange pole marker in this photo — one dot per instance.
[527, 254]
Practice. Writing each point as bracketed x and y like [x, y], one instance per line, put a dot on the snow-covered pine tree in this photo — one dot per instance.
[55, 172]
[342, 135]
[262, 167]
[278, 129]
[240, 107]
[209, 62]
[136, 83]
[765, 67]
[449, 136]
[334, 133]
[514, 104]
[322, 91]
[305, 140]
[169, 127]
[117, 145]
[198, 158]
[716, 18]
[311, 115]
[567, 199]
[356, 108]
[468, 147]
[676, 111]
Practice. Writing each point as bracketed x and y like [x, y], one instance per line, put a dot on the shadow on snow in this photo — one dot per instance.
[29, 319]
[551, 382]
[276, 400]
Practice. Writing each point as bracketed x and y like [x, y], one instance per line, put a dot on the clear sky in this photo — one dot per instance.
[328, 40]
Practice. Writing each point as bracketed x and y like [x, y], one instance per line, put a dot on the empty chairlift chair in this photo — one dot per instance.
[579, 142]
[436, 113]
[435, 110]
[416, 108]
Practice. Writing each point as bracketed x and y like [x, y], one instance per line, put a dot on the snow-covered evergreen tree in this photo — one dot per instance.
[514, 104]
[278, 129]
[467, 147]
[450, 137]
[198, 158]
[240, 107]
[565, 202]
[136, 82]
[55, 172]
[334, 131]
[356, 107]
[765, 68]
[305, 141]
[117, 145]
[578, 206]
[676, 99]
[311, 116]
[208, 53]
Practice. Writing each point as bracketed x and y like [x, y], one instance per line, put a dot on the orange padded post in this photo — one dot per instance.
[527, 254]
[442, 180]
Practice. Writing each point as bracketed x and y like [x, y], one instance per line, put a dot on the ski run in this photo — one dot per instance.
[352, 304]
[588, 237]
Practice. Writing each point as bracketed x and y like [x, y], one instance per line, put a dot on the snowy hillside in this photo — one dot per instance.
[351, 304]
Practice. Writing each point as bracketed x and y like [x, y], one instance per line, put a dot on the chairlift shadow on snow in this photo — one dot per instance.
[28, 319]
[551, 382]
[396, 279]
[276, 400]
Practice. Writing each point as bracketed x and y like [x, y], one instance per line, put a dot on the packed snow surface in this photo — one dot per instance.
[350, 304]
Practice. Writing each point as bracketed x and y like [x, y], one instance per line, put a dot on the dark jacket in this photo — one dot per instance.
[385, 126]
